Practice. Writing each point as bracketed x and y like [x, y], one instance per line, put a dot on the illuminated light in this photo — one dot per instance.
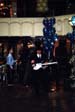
[14, 13]
[52, 43]
[53, 89]
[2, 4]
[56, 39]
[73, 20]
[42, 5]
[4, 13]
[70, 21]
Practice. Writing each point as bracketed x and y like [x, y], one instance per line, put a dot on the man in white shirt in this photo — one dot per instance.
[40, 78]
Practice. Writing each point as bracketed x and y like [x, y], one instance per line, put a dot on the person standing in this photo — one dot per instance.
[22, 63]
[61, 69]
[10, 61]
[40, 79]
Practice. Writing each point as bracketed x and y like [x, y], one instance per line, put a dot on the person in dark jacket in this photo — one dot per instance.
[61, 56]
[22, 63]
[2, 67]
[40, 79]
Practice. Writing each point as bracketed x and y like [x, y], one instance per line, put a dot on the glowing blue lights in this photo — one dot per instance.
[49, 32]
[71, 36]
[73, 20]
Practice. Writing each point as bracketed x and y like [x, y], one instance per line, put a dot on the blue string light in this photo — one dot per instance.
[71, 36]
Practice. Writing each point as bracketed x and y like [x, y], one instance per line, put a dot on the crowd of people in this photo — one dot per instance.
[33, 68]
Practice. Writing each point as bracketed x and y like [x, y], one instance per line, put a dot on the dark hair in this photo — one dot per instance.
[62, 42]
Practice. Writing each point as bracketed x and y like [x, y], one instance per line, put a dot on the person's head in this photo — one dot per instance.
[11, 50]
[39, 51]
[21, 45]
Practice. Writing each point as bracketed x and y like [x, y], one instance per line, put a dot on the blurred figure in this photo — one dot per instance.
[72, 68]
[60, 70]
[20, 67]
[2, 67]
[10, 61]
[22, 62]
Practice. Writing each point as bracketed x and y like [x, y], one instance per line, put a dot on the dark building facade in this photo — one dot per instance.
[28, 8]
[36, 8]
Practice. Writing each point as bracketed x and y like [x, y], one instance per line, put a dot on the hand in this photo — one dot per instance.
[11, 67]
[33, 65]
[44, 67]
[32, 61]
